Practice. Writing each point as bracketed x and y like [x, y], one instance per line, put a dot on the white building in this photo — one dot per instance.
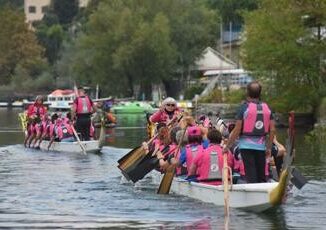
[35, 9]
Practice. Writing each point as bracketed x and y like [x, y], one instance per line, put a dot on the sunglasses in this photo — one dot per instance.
[170, 104]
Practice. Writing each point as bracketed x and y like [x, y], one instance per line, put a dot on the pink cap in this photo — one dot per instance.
[194, 131]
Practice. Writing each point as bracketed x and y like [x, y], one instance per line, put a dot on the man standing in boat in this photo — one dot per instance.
[254, 123]
[82, 109]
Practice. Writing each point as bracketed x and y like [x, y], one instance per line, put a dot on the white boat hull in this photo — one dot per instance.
[254, 197]
[71, 147]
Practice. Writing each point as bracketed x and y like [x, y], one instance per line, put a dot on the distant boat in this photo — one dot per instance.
[136, 107]
[17, 104]
[60, 99]
[71, 147]
[3, 104]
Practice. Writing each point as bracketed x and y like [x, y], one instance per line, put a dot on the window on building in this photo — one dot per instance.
[32, 9]
[44, 9]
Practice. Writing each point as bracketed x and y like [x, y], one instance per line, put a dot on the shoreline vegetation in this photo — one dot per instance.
[145, 45]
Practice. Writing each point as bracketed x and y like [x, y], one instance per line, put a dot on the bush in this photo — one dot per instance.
[5, 92]
[192, 91]
[214, 97]
[235, 96]
[23, 83]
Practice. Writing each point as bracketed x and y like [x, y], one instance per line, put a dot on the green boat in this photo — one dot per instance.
[136, 107]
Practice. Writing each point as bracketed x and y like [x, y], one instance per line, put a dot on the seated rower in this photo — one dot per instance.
[278, 153]
[63, 132]
[49, 129]
[168, 111]
[207, 166]
[40, 130]
[189, 152]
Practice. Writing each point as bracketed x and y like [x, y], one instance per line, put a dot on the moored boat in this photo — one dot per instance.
[256, 197]
[71, 147]
[132, 108]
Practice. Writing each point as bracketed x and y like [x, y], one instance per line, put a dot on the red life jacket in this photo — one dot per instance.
[36, 110]
[256, 119]
[63, 131]
[84, 105]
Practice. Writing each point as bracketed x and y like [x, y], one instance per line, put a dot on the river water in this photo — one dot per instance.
[41, 190]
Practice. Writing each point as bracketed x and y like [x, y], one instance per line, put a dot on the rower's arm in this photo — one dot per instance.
[272, 132]
[234, 134]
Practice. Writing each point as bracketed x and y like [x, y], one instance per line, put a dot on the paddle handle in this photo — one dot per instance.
[78, 140]
[226, 191]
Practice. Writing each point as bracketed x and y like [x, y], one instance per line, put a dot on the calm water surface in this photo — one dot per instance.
[57, 190]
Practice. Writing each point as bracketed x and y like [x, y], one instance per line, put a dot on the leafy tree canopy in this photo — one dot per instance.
[142, 42]
[13, 3]
[18, 46]
[66, 10]
[285, 45]
[232, 10]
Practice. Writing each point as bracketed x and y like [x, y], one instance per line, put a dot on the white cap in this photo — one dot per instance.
[169, 100]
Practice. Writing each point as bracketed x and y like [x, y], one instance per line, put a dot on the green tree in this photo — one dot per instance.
[66, 10]
[232, 10]
[13, 3]
[18, 46]
[284, 45]
[51, 37]
[142, 42]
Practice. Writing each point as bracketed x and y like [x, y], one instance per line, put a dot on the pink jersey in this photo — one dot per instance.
[210, 164]
[63, 130]
[192, 150]
[162, 116]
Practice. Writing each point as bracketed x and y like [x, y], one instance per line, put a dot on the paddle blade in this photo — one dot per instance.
[142, 169]
[131, 157]
[166, 182]
[125, 157]
[298, 180]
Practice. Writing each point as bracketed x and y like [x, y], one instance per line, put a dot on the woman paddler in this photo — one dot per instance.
[207, 166]
[189, 152]
[167, 112]
[34, 114]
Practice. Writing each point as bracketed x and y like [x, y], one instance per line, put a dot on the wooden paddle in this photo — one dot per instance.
[167, 179]
[78, 140]
[138, 153]
[226, 191]
[134, 155]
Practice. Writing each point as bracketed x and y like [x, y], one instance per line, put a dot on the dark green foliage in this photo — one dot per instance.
[18, 46]
[288, 52]
[192, 91]
[66, 10]
[141, 42]
[232, 10]
[13, 3]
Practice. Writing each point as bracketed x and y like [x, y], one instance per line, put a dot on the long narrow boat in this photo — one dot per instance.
[71, 147]
[256, 197]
